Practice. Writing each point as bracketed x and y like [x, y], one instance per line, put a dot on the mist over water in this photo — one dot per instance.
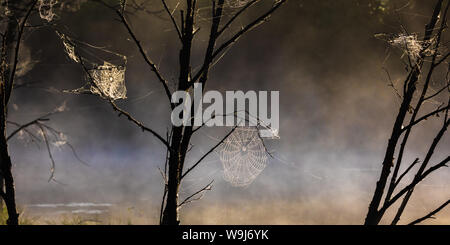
[336, 114]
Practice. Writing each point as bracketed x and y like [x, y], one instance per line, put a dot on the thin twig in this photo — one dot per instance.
[189, 198]
[207, 153]
[50, 155]
[16, 52]
[26, 125]
[406, 172]
[172, 19]
[431, 214]
[261, 19]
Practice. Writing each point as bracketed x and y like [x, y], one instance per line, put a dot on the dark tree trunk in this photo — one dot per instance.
[170, 214]
[10, 48]
[5, 160]
[10, 199]
[176, 160]
[6, 168]
[181, 135]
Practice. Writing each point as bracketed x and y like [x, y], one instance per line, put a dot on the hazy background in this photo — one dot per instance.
[336, 112]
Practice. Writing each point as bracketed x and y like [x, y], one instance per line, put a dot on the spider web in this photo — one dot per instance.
[106, 80]
[413, 48]
[69, 48]
[409, 44]
[109, 81]
[45, 8]
[243, 156]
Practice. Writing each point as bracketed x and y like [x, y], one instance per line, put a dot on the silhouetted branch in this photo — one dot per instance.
[26, 125]
[32, 136]
[166, 162]
[261, 19]
[426, 116]
[235, 16]
[416, 181]
[170, 13]
[438, 92]
[442, 59]
[75, 154]
[209, 152]
[190, 199]
[431, 214]
[138, 123]
[50, 155]
[16, 52]
[406, 172]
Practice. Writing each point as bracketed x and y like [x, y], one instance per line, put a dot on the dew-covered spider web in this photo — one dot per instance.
[109, 81]
[415, 49]
[69, 47]
[243, 156]
[409, 44]
[103, 78]
[46, 11]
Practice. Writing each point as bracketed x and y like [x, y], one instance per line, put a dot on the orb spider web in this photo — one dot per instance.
[243, 156]
[106, 80]
[109, 81]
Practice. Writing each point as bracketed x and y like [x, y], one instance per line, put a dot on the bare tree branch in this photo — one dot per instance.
[426, 116]
[261, 19]
[16, 52]
[170, 13]
[207, 153]
[437, 92]
[139, 124]
[26, 125]
[75, 154]
[406, 172]
[32, 135]
[431, 214]
[235, 16]
[50, 155]
[442, 59]
[166, 162]
[416, 181]
[190, 199]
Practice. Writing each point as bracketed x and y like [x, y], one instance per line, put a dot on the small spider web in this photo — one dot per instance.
[106, 80]
[46, 11]
[109, 81]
